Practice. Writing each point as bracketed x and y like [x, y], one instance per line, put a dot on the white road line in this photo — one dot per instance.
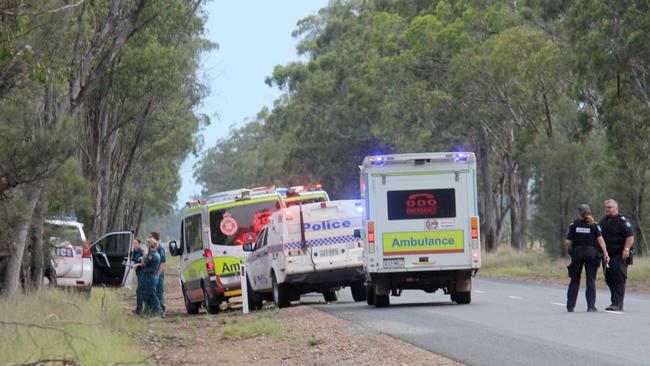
[614, 312]
[558, 303]
[515, 297]
[479, 291]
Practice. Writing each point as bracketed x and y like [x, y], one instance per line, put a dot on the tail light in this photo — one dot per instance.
[209, 263]
[371, 232]
[86, 252]
[474, 225]
[294, 252]
[323, 205]
[371, 236]
[476, 254]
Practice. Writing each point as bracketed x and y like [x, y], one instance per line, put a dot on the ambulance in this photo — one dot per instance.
[307, 248]
[303, 194]
[420, 224]
[213, 233]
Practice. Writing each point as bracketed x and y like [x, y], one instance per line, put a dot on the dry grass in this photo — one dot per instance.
[59, 324]
[533, 265]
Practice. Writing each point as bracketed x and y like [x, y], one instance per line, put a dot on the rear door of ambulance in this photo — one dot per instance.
[329, 233]
[422, 216]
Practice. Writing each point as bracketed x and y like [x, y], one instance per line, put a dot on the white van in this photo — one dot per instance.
[80, 265]
[307, 248]
[420, 226]
[213, 232]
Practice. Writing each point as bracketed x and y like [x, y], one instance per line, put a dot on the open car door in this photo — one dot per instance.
[110, 258]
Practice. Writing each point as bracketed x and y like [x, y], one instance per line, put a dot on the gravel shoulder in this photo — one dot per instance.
[303, 336]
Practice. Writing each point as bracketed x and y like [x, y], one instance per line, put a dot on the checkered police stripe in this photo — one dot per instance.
[321, 242]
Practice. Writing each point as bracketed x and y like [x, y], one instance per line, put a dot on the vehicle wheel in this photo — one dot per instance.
[190, 307]
[461, 297]
[210, 306]
[382, 301]
[281, 294]
[359, 292]
[370, 294]
[254, 299]
[330, 295]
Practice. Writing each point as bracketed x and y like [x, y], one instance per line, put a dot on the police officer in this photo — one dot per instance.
[160, 287]
[136, 255]
[583, 240]
[619, 237]
[151, 264]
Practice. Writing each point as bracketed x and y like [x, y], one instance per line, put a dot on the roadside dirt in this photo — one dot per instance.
[308, 337]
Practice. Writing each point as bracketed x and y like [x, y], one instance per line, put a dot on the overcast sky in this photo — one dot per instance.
[253, 37]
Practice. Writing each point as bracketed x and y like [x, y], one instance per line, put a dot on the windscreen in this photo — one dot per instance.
[421, 204]
[304, 201]
[58, 234]
[238, 225]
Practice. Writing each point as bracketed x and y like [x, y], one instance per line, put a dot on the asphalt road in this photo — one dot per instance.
[509, 323]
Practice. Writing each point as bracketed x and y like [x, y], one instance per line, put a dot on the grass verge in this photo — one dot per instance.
[249, 328]
[509, 263]
[63, 325]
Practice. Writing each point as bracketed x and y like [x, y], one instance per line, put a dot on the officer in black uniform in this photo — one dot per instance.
[582, 242]
[619, 237]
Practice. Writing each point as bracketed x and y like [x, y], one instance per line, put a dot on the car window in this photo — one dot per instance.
[57, 235]
[118, 243]
[240, 224]
[259, 242]
[192, 227]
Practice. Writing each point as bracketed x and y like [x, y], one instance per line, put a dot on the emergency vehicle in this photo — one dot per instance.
[420, 224]
[213, 232]
[307, 248]
[303, 194]
[80, 265]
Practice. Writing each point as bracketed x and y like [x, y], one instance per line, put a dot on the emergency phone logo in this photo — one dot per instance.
[421, 204]
[228, 225]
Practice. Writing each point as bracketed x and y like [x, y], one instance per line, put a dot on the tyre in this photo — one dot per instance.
[359, 292]
[382, 301]
[281, 294]
[190, 307]
[370, 294]
[461, 297]
[209, 305]
[330, 295]
[254, 299]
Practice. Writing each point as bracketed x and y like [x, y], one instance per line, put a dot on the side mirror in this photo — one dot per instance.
[248, 247]
[357, 233]
[174, 250]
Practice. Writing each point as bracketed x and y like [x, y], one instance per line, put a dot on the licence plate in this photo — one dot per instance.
[328, 252]
[394, 263]
[64, 252]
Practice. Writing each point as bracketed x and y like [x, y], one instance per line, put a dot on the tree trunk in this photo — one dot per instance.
[523, 212]
[516, 240]
[489, 210]
[38, 254]
[21, 230]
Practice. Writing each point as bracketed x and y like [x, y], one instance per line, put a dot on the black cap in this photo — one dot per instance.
[584, 209]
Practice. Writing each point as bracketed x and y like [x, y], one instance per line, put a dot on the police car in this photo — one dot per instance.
[420, 224]
[307, 248]
[213, 231]
[80, 265]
